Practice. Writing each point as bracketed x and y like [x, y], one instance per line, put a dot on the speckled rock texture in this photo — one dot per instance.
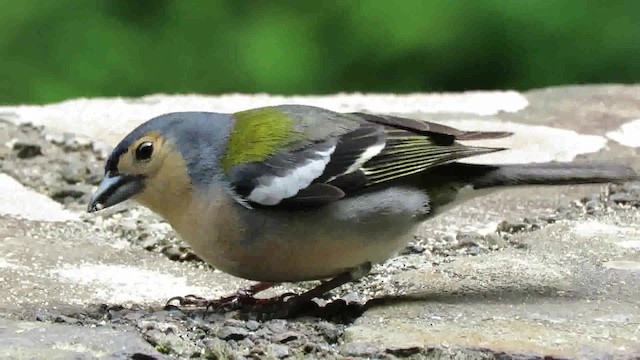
[528, 273]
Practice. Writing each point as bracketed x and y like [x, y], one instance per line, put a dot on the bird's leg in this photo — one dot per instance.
[241, 297]
[322, 288]
[296, 301]
[291, 302]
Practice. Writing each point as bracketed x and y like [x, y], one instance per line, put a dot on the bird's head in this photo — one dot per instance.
[162, 161]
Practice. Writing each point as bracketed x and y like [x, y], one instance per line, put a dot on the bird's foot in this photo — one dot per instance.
[243, 297]
[285, 305]
[239, 300]
[188, 300]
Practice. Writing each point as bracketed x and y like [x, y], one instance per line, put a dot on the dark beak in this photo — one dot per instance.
[114, 189]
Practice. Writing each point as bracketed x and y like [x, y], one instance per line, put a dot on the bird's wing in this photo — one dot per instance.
[306, 156]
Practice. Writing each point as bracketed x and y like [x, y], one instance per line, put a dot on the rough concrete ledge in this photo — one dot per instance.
[527, 273]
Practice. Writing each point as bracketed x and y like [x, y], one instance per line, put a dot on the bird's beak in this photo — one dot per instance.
[114, 189]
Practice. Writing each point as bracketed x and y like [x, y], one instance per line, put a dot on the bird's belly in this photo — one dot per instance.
[281, 246]
[314, 254]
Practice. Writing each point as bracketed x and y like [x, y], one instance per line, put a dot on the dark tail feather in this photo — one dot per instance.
[451, 184]
[552, 173]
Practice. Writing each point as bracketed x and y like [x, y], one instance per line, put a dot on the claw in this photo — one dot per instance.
[238, 300]
[285, 297]
[232, 302]
[188, 300]
[288, 302]
[243, 299]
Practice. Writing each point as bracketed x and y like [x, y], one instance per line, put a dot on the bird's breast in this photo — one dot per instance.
[282, 246]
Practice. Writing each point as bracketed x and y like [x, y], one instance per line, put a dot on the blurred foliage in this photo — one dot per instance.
[56, 49]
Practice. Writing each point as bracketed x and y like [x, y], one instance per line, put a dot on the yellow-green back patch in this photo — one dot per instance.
[258, 134]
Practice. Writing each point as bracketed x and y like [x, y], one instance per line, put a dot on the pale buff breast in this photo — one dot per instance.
[278, 246]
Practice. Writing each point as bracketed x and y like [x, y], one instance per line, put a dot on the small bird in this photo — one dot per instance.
[295, 193]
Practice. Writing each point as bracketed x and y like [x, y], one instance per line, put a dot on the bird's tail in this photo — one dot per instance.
[551, 173]
[455, 183]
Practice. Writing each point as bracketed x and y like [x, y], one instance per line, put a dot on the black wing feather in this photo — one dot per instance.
[381, 149]
[246, 177]
[350, 148]
[430, 128]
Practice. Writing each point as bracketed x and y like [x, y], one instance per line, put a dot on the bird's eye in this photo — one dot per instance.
[144, 151]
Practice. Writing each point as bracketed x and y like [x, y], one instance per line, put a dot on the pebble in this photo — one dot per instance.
[277, 326]
[128, 225]
[75, 191]
[625, 198]
[329, 331]
[309, 347]
[234, 322]
[593, 206]
[362, 350]
[413, 249]
[66, 319]
[286, 336]
[473, 250]
[496, 241]
[351, 297]
[467, 238]
[263, 332]
[232, 333]
[216, 349]
[252, 325]
[405, 351]
[148, 242]
[512, 227]
[278, 351]
[26, 150]
[74, 173]
[75, 143]
[55, 138]
[178, 252]
[101, 150]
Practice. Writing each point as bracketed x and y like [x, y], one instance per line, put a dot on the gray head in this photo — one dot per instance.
[175, 147]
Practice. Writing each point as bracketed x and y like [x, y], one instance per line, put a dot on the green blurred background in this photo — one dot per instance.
[52, 50]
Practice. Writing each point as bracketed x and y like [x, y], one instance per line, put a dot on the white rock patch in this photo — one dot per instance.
[622, 265]
[109, 119]
[4, 264]
[18, 201]
[596, 228]
[626, 237]
[529, 143]
[630, 244]
[627, 134]
[121, 283]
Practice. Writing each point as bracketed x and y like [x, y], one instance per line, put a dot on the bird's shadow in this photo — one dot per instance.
[337, 311]
[515, 295]
[341, 311]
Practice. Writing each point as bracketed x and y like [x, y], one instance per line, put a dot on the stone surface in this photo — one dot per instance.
[525, 273]
[627, 134]
[74, 264]
[38, 340]
[108, 119]
[18, 201]
[565, 296]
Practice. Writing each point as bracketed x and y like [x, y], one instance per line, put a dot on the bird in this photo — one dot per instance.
[293, 193]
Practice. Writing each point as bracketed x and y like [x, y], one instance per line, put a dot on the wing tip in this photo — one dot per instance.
[481, 135]
[479, 150]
